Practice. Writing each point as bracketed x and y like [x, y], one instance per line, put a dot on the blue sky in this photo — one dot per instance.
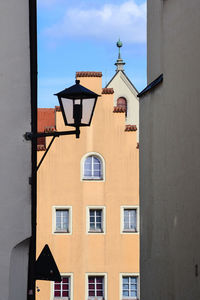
[81, 35]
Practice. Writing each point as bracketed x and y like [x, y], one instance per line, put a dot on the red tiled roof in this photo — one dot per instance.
[118, 109]
[88, 74]
[46, 123]
[57, 108]
[49, 129]
[46, 118]
[130, 128]
[41, 148]
[107, 91]
[41, 144]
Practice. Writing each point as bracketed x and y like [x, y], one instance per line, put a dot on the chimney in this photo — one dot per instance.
[91, 80]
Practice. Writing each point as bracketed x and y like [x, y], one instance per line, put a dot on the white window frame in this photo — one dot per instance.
[103, 218]
[121, 285]
[105, 286]
[71, 288]
[54, 208]
[122, 208]
[100, 157]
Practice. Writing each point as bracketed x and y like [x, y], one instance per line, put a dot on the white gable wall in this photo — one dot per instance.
[123, 88]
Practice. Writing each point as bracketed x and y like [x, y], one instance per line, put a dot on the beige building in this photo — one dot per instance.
[88, 202]
[169, 153]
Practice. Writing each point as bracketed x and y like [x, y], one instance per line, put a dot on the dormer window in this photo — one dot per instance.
[121, 102]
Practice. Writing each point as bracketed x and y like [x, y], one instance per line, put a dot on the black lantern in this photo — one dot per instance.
[77, 104]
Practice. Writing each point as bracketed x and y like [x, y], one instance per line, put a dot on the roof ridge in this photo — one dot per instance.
[88, 74]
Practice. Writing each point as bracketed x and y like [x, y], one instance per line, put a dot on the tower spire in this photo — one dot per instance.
[119, 63]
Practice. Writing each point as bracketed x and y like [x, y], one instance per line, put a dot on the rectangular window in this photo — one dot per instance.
[130, 219]
[96, 220]
[62, 289]
[95, 287]
[62, 220]
[129, 287]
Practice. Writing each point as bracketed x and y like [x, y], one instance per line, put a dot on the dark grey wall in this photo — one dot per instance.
[170, 156]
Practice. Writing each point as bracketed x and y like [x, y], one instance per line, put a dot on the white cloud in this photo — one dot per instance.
[127, 21]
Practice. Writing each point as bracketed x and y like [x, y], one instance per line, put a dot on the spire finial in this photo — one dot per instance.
[119, 62]
[119, 45]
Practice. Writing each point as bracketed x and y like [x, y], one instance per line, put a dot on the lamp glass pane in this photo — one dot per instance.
[87, 108]
[68, 109]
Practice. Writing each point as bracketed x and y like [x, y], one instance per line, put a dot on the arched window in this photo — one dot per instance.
[121, 102]
[92, 167]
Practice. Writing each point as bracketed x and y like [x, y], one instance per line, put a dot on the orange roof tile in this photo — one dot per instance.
[46, 123]
[46, 118]
[88, 74]
[41, 148]
[130, 128]
[41, 144]
[107, 91]
[57, 108]
[118, 109]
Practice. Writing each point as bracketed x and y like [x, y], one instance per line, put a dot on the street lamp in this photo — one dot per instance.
[77, 104]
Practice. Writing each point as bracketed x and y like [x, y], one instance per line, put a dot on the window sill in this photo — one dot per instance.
[95, 231]
[129, 298]
[62, 232]
[92, 179]
[61, 298]
[97, 298]
[130, 231]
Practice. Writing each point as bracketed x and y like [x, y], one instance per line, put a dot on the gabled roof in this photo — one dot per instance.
[125, 77]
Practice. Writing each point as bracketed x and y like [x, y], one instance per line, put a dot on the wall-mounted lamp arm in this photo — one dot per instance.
[45, 153]
[30, 136]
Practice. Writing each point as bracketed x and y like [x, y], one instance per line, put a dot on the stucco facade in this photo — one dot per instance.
[81, 253]
[169, 154]
[15, 170]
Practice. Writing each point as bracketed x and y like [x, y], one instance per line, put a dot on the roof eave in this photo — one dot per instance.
[151, 86]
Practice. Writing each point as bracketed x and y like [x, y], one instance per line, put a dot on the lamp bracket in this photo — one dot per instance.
[30, 135]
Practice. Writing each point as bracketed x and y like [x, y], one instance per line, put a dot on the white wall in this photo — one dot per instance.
[15, 152]
[170, 157]
[123, 88]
